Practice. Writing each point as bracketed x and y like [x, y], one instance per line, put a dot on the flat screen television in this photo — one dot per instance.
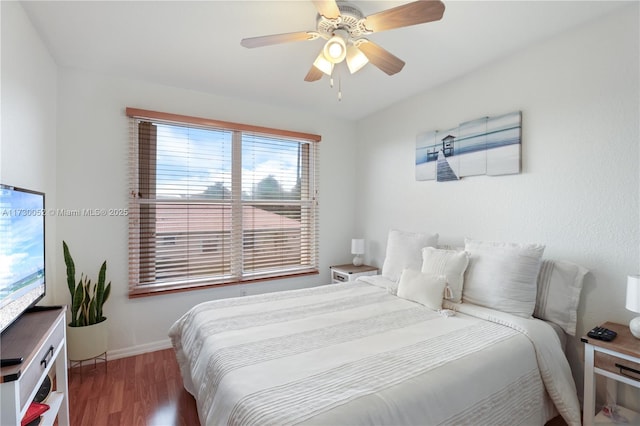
[22, 260]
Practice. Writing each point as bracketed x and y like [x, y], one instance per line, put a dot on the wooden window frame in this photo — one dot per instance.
[142, 184]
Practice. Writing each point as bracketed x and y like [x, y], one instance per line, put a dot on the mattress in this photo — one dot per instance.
[353, 353]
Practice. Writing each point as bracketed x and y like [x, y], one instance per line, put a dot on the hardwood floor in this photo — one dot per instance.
[141, 390]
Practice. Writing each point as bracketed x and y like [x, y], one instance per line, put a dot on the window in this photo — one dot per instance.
[215, 203]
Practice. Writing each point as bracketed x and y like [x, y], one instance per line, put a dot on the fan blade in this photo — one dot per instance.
[277, 39]
[314, 74]
[417, 12]
[379, 57]
[327, 8]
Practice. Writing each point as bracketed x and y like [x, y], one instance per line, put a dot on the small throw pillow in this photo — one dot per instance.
[421, 287]
[502, 276]
[404, 251]
[559, 288]
[451, 264]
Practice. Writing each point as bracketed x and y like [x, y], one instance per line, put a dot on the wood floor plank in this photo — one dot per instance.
[116, 396]
[143, 390]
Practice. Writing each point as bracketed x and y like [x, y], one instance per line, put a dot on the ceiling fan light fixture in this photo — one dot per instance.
[335, 50]
[323, 64]
[355, 59]
[343, 24]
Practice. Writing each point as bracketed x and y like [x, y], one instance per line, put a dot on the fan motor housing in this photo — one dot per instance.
[350, 20]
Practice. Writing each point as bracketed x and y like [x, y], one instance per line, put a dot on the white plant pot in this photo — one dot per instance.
[87, 342]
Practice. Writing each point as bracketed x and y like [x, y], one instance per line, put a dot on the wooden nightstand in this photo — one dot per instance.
[618, 361]
[349, 272]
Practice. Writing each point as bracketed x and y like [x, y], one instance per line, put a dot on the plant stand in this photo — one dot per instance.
[77, 364]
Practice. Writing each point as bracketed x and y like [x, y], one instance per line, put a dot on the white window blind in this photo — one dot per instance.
[216, 203]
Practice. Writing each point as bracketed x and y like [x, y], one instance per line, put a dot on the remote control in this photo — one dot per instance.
[6, 362]
[602, 333]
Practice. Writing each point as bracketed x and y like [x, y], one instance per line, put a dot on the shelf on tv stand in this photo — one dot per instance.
[40, 339]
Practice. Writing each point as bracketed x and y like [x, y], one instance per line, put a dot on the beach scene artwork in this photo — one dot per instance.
[486, 146]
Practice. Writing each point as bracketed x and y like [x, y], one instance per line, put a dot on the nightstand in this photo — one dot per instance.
[349, 272]
[618, 361]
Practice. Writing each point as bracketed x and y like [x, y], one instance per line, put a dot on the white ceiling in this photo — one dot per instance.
[196, 45]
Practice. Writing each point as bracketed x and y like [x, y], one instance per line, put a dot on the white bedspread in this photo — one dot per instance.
[354, 354]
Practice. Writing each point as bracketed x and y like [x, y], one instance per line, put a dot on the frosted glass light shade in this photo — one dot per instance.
[357, 248]
[323, 64]
[335, 49]
[633, 303]
[355, 59]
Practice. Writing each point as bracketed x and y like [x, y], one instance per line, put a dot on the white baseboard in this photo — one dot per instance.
[138, 350]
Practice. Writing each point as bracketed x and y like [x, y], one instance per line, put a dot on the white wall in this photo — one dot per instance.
[28, 117]
[579, 186]
[92, 173]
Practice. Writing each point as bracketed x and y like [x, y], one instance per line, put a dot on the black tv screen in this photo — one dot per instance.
[22, 259]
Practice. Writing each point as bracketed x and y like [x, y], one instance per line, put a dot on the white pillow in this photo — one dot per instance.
[421, 287]
[451, 264]
[502, 276]
[404, 251]
[559, 288]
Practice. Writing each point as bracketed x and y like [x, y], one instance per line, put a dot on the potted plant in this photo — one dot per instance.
[87, 329]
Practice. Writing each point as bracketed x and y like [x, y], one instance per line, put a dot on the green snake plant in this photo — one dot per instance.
[86, 300]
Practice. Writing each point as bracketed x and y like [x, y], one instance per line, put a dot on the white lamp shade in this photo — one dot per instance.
[355, 59]
[633, 293]
[323, 64]
[357, 246]
[335, 50]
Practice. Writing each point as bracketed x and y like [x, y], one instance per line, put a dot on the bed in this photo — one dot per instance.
[358, 353]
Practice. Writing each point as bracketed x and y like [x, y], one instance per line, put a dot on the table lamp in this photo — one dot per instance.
[357, 248]
[633, 303]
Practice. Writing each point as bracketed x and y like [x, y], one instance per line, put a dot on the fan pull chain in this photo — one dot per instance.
[339, 84]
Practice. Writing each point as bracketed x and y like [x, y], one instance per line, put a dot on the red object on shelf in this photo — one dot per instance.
[34, 411]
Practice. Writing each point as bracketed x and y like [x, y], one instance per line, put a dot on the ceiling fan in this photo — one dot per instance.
[344, 26]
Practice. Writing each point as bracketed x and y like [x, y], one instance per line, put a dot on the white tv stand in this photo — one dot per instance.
[39, 338]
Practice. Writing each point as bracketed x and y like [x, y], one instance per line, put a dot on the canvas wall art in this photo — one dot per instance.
[486, 146]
